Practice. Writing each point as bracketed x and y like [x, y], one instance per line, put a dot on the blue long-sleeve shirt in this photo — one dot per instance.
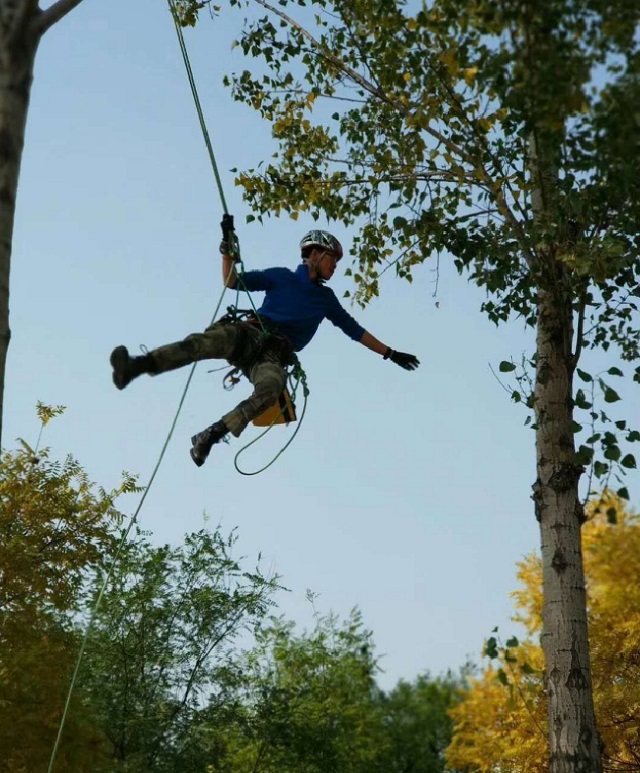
[297, 305]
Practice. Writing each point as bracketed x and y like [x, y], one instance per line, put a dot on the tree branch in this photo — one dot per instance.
[53, 14]
[580, 332]
[482, 174]
[481, 139]
[364, 83]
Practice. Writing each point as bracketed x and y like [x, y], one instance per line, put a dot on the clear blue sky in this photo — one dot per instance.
[407, 494]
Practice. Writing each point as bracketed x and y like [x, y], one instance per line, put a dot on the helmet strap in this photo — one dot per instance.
[312, 264]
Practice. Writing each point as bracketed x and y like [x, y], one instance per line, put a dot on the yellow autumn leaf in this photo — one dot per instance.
[470, 75]
[449, 60]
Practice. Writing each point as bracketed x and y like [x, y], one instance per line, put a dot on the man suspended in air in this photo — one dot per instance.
[295, 304]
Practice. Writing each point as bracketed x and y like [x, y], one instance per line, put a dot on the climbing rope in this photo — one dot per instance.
[207, 140]
[298, 372]
[116, 557]
[196, 99]
[134, 518]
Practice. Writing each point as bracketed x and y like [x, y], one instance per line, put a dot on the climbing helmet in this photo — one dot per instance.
[323, 240]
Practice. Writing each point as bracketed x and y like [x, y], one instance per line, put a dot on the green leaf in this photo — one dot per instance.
[600, 469]
[491, 648]
[615, 372]
[506, 367]
[502, 677]
[629, 461]
[623, 493]
[612, 515]
[584, 375]
[584, 455]
[512, 642]
[581, 400]
[610, 395]
[612, 453]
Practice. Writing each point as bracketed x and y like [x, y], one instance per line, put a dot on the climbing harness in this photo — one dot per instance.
[297, 373]
[283, 411]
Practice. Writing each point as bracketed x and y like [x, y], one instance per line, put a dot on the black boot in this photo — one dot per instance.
[126, 368]
[204, 441]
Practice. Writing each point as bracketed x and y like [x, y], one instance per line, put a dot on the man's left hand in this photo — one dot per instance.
[406, 361]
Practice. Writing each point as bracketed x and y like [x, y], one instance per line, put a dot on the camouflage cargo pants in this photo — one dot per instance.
[242, 345]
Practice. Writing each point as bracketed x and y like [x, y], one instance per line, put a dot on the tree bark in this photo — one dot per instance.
[574, 744]
[18, 45]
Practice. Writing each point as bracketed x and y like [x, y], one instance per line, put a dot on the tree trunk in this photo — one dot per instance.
[17, 54]
[574, 744]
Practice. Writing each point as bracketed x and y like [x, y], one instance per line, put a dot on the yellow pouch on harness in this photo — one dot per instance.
[281, 412]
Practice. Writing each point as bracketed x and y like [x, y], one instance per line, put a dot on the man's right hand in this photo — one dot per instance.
[227, 226]
[227, 245]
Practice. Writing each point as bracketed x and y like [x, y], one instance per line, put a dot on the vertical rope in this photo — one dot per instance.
[196, 99]
[134, 518]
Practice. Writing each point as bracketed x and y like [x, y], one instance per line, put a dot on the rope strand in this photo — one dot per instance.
[301, 378]
[134, 518]
[196, 99]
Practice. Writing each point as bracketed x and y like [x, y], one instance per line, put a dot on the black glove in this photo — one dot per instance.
[228, 243]
[406, 361]
[227, 227]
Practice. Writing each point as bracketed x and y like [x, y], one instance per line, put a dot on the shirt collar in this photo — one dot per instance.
[303, 272]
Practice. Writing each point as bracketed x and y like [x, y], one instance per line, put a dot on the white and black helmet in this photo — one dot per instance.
[322, 240]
